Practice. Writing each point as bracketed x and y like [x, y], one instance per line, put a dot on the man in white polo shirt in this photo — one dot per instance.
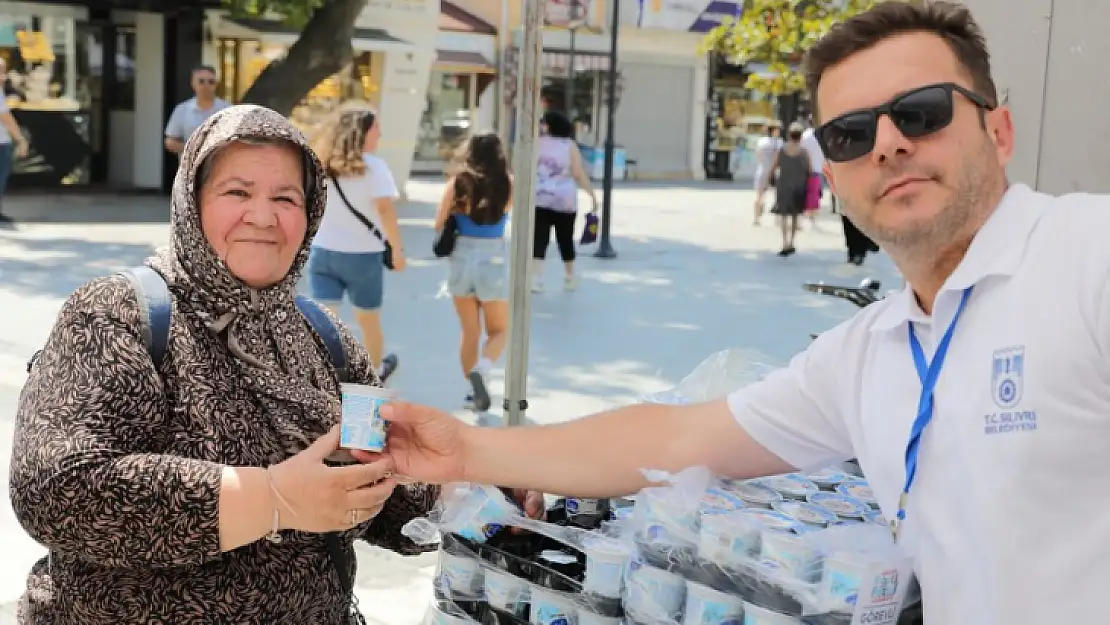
[1000, 471]
[190, 114]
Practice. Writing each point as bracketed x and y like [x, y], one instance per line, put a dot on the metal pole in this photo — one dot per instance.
[523, 225]
[570, 77]
[604, 244]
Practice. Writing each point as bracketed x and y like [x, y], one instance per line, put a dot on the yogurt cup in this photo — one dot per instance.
[480, 515]
[719, 501]
[842, 580]
[771, 519]
[829, 478]
[655, 592]
[858, 489]
[876, 517]
[841, 505]
[552, 608]
[361, 425]
[807, 513]
[505, 592]
[589, 618]
[729, 539]
[791, 485]
[755, 615]
[706, 606]
[461, 576]
[757, 495]
[606, 561]
[790, 553]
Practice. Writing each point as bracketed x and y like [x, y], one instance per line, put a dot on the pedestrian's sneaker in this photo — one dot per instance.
[482, 400]
[570, 283]
[389, 366]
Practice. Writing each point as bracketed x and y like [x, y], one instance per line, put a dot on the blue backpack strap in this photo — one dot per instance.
[156, 308]
[333, 341]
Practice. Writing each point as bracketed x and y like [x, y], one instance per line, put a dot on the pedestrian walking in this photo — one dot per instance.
[815, 188]
[977, 409]
[792, 174]
[359, 236]
[765, 150]
[559, 175]
[190, 114]
[13, 144]
[205, 484]
[478, 198]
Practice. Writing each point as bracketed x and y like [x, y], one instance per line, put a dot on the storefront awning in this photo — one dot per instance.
[463, 62]
[365, 39]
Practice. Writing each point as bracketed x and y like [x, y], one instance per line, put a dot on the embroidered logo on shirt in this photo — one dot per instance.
[1007, 390]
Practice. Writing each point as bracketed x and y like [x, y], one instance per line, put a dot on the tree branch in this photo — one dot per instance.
[323, 49]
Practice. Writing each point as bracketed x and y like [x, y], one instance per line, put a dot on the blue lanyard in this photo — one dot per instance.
[927, 372]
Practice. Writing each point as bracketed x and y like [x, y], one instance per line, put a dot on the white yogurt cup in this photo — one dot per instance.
[858, 489]
[757, 495]
[791, 553]
[552, 608]
[655, 592]
[755, 615]
[706, 606]
[790, 485]
[460, 575]
[505, 592]
[589, 618]
[606, 561]
[728, 539]
[361, 424]
[842, 580]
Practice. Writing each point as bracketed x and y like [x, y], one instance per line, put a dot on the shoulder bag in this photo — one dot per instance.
[387, 256]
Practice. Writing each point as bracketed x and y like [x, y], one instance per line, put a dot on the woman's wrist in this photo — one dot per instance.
[246, 512]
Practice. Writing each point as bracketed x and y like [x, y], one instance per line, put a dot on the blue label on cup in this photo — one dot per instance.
[361, 426]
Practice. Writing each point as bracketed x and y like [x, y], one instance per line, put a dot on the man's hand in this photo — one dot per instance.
[533, 503]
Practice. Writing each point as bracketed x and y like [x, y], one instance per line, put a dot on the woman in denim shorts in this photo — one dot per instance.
[479, 197]
[347, 253]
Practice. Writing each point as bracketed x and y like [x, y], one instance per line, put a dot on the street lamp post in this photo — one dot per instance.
[576, 21]
[604, 243]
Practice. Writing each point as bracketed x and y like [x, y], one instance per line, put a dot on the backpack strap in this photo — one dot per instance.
[156, 308]
[321, 322]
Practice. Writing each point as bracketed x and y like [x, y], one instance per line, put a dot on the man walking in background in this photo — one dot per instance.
[190, 114]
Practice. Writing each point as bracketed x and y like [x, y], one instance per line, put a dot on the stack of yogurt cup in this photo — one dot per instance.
[748, 552]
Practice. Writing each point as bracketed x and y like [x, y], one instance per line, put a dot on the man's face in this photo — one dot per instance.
[204, 82]
[927, 189]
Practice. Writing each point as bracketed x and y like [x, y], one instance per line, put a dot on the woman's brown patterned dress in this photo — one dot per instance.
[116, 466]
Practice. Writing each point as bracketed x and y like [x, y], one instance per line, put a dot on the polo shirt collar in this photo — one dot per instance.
[997, 250]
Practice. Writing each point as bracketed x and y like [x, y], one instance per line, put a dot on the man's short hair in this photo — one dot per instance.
[204, 68]
[950, 21]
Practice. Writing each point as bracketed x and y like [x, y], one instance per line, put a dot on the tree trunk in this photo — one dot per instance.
[323, 49]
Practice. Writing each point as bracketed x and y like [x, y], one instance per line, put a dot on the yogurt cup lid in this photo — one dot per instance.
[557, 557]
[807, 512]
[772, 519]
[875, 516]
[756, 492]
[841, 505]
[858, 489]
[829, 475]
[791, 484]
[717, 500]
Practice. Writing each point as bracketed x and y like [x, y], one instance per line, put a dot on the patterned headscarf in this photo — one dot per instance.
[270, 346]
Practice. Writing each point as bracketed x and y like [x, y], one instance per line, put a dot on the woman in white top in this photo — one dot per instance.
[765, 151]
[360, 222]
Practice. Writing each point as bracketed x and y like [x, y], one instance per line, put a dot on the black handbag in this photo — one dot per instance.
[387, 256]
[444, 243]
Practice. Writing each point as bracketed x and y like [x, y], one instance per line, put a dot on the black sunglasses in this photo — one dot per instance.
[915, 113]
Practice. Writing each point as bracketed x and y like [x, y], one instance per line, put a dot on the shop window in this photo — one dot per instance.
[448, 115]
[40, 54]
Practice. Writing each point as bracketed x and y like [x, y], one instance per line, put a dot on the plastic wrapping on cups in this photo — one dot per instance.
[716, 376]
[805, 567]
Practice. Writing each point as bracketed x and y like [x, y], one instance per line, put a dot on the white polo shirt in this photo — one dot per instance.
[1008, 520]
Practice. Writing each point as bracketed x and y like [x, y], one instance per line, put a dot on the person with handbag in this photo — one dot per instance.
[359, 237]
[470, 227]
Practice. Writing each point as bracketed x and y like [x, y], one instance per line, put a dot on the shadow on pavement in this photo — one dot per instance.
[91, 208]
[55, 267]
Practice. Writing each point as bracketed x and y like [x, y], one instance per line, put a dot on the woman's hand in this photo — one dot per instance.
[399, 262]
[424, 444]
[593, 203]
[313, 497]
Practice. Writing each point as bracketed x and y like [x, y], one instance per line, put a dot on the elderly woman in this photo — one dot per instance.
[155, 486]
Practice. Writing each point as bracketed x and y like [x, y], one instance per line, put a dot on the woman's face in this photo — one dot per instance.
[252, 210]
[370, 143]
